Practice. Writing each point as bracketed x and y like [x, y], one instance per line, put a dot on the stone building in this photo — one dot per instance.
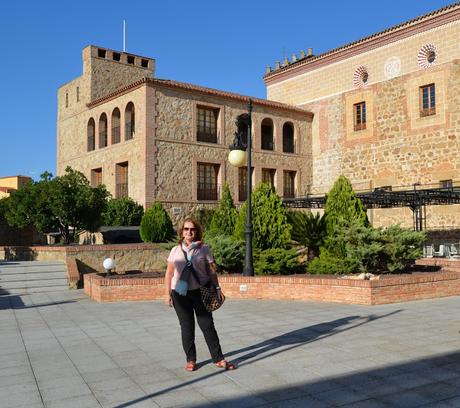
[12, 183]
[162, 140]
[386, 111]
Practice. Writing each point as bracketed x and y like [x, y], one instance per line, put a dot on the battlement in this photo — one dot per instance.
[100, 53]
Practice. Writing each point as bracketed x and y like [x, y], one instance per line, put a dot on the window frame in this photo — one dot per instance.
[122, 179]
[359, 116]
[207, 181]
[204, 121]
[289, 189]
[430, 99]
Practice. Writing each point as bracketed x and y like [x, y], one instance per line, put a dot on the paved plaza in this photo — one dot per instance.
[62, 350]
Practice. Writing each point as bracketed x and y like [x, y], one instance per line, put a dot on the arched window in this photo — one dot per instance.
[288, 137]
[267, 134]
[91, 135]
[129, 121]
[103, 131]
[116, 126]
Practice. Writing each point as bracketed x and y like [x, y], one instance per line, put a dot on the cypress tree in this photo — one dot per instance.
[224, 219]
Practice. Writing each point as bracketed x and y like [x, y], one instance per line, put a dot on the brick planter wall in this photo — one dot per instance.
[387, 289]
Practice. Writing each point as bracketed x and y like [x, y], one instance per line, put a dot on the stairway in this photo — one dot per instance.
[24, 277]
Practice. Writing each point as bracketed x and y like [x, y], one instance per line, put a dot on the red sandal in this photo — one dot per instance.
[190, 366]
[226, 365]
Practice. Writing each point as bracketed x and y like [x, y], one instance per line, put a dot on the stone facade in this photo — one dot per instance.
[399, 147]
[163, 156]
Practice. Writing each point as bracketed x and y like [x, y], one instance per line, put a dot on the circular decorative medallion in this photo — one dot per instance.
[360, 77]
[427, 55]
[392, 67]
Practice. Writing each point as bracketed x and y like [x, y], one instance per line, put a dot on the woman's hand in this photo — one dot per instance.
[168, 301]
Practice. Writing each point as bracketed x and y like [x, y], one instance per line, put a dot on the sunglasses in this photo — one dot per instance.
[193, 229]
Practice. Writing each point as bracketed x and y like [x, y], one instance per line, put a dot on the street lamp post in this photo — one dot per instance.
[237, 157]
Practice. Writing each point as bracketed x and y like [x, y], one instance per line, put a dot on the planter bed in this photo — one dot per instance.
[381, 290]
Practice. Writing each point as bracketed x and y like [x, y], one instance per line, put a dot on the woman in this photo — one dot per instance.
[183, 292]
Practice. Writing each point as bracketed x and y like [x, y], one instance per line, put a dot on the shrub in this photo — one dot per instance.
[123, 211]
[204, 217]
[228, 252]
[156, 226]
[224, 219]
[343, 206]
[277, 261]
[357, 248]
[269, 219]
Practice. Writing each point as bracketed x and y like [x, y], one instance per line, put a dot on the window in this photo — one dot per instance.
[288, 137]
[91, 135]
[268, 176]
[207, 125]
[446, 184]
[243, 182]
[427, 100]
[129, 121]
[78, 94]
[130, 59]
[144, 63]
[359, 115]
[207, 181]
[96, 177]
[121, 180]
[66, 99]
[116, 56]
[101, 53]
[267, 134]
[116, 126]
[103, 131]
[289, 184]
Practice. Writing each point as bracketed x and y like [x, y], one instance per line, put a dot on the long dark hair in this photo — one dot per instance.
[199, 229]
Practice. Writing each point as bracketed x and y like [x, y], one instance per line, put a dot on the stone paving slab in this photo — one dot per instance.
[61, 349]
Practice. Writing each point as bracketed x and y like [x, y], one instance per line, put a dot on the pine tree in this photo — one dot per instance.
[224, 219]
[343, 206]
[271, 228]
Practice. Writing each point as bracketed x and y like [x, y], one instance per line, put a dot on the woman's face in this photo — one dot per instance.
[189, 232]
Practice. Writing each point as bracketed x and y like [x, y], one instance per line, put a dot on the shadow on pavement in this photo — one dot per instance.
[15, 302]
[273, 346]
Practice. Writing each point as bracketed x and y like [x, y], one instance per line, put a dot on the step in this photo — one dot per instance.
[33, 284]
[13, 277]
[26, 291]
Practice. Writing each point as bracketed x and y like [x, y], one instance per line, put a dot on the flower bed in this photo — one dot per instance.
[383, 289]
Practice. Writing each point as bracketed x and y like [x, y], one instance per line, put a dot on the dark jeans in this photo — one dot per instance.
[186, 307]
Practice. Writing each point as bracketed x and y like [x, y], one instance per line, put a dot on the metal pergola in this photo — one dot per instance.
[416, 199]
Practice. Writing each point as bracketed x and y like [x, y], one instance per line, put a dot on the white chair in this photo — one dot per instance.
[440, 252]
[428, 251]
[453, 250]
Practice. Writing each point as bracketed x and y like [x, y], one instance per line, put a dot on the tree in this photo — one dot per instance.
[271, 228]
[123, 211]
[224, 219]
[308, 229]
[343, 206]
[66, 203]
[156, 225]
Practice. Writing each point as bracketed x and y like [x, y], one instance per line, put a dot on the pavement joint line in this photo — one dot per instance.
[63, 349]
[27, 352]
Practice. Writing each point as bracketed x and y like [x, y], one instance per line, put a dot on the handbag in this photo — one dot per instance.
[209, 296]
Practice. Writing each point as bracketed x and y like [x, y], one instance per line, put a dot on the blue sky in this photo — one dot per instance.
[224, 45]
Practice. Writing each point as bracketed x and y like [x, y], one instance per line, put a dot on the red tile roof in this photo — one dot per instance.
[199, 89]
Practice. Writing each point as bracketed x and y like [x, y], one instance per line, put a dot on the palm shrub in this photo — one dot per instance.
[123, 211]
[277, 261]
[156, 226]
[271, 228]
[228, 252]
[309, 230]
[224, 219]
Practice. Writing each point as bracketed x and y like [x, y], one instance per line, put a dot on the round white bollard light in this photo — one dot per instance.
[237, 158]
[108, 263]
